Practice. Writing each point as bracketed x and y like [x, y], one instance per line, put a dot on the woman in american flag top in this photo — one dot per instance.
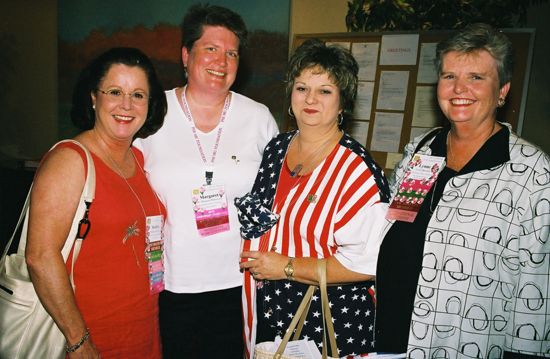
[318, 194]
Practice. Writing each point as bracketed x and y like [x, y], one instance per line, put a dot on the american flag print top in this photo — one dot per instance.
[336, 210]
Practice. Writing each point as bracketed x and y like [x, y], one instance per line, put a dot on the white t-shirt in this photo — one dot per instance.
[174, 167]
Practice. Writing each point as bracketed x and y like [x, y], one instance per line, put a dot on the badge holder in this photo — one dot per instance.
[421, 174]
[154, 253]
[210, 207]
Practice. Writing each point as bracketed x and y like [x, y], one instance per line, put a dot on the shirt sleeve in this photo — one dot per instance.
[359, 222]
[272, 128]
[138, 143]
[530, 315]
[359, 240]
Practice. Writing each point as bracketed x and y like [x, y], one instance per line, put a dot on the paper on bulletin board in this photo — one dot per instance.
[363, 102]
[399, 49]
[366, 55]
[426, 108]
[392, 159]
[417, 131]
[359, 130]
[426, 66]
[392, 92]
[386, 132]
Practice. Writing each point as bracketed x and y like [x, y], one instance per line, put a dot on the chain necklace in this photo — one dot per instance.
[133, 229]
[311, 157]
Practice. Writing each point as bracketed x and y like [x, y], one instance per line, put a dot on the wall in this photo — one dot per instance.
[325, 16]
[317, 16]
[28, 75]
[28, 83]
[537, 114]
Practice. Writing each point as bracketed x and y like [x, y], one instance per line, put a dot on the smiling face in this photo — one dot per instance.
[315, 100]
[213, 61]
[120, 117]
[468, 87]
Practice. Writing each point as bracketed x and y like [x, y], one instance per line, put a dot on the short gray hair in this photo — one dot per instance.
[476, 37]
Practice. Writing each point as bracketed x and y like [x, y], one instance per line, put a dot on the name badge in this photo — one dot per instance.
[153, 252]
[210, 207]
[420, 176]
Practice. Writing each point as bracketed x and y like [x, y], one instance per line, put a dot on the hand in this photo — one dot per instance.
[86, 351]
[265, 265]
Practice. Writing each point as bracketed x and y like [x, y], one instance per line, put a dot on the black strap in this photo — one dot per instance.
[428, 137]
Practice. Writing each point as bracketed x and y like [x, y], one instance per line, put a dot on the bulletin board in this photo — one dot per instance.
[397, 86]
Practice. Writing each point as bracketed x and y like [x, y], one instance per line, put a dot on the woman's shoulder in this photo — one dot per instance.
[64, 163]
[282, 139]
[528, 154]
[357, 148]
[242, 101]
[360, 151]
[138, 154]
[70, 152]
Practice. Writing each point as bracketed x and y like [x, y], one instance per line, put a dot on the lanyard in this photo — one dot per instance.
[209, 174]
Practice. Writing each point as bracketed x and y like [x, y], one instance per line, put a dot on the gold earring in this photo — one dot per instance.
[501, 101]
[340, 119]
[290, 112]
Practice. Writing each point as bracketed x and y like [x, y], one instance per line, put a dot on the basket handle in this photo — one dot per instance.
[301, 314]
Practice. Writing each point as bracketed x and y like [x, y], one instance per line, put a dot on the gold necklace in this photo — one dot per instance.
[133, 229]
[300, 166]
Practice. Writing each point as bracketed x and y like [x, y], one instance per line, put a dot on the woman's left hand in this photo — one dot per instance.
[265, 265]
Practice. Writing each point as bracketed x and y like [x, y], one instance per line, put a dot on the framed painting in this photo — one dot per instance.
[87, 28]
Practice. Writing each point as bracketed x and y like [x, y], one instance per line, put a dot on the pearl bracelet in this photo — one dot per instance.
[73, 348]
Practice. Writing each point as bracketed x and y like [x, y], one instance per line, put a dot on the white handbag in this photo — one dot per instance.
[26, 328]
[261, 351]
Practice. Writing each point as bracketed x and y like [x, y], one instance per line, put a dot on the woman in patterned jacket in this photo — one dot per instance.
[469, 276]
[329, 198]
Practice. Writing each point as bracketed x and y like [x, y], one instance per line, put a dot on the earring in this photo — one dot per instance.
[340, 119]
[501, 101]
[290, 112]
[93, 106]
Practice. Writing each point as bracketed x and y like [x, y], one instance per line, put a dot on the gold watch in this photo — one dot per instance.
[289, 269]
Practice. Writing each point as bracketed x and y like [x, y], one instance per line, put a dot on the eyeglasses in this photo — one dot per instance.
[117, 95]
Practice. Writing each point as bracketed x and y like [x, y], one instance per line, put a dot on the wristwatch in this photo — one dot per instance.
[289, 269]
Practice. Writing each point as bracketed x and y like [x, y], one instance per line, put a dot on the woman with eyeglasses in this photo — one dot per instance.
[113, 311]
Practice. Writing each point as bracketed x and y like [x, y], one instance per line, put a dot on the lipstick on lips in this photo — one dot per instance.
[123, 119]
[310, 111]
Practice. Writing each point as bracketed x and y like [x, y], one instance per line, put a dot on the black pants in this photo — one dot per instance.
[201, 325]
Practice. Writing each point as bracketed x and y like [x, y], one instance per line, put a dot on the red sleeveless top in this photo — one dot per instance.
[111, 273]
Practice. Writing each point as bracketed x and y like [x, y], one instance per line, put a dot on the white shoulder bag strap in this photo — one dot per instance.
[81, 224]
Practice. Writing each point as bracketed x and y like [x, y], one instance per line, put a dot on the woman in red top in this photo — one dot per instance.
[112, 311]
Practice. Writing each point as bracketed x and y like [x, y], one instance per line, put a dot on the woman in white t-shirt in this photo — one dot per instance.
[206, 154]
